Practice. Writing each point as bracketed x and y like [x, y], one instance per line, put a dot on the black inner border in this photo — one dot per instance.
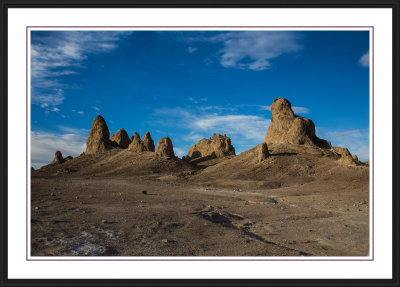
[7, 4]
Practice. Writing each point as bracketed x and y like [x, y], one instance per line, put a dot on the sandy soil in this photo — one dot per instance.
[170, 215]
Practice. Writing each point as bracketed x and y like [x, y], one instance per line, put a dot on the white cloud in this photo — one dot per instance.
[96, 109]
[81, 112]
[364, 60]
[44, 145]
[179, 152]
[193, 100]
[192, 50]
[247, 126]
[296, 110]
[61, 54]
[245, 131]
[56, 110]
[300, 110]
[48, 99]
[254, 50]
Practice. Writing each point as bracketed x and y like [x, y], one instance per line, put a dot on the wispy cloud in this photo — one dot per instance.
[345, 133]
[196, 101]
[254, 50]
[244, 130]
[80, 112]
[296, 110]
[192, 50]
[179, 152]
[44, 145]
[364, 60]
[96, 109]
[62, 53]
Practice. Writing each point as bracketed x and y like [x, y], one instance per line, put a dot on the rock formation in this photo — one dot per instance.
[136, 144]
[165, 148]
[345, 156]
[218, 146]
[121, 138]
[148, 143]
[98, 140]
[58, 158]
[263, 152]
[286, 127]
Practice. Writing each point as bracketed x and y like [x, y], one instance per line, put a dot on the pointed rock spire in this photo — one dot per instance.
[98, 140]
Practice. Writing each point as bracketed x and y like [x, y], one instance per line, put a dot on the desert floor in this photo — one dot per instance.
[158, 215]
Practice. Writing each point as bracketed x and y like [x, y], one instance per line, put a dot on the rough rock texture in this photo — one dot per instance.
[165, 148]
[98, 140]
[218, 146]
[121, 138]
[263, 152]
[286, 127]
[345, 156]
[136, 144]
[148, 143]
[355, 157]
[58, 158]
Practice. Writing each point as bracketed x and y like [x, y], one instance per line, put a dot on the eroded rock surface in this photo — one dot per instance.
[165, 147]
[218, 146]
[121, 138]
[98, 140]
[286, 127]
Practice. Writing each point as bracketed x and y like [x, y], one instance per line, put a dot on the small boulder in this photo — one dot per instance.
[98, 140]
[136, 144]
[263, 152]
[121, 138]
[58, 158]
[218, 146]
[148, 143]
[165, 148]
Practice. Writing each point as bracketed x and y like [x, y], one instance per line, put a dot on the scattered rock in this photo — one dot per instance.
[136, 144]
[98, 140]
[144, 192]
[286, 127]
[58, 158]
[148, 143]
[121, 138]
[218, 146]
[263, 152]
[68, 158]
[165, 147]
[52, 194]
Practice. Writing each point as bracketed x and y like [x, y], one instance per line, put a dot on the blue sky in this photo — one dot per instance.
[189, 84]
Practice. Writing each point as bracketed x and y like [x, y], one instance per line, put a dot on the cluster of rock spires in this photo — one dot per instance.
[98, 141]
[285, 128]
